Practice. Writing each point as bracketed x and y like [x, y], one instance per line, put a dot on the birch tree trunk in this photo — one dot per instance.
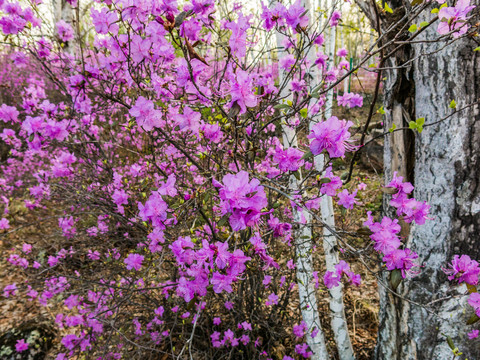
[62, 10]
[337, 310]
[303, 252]
[443, 162]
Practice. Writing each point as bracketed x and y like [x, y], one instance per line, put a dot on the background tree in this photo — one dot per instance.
[442, 161]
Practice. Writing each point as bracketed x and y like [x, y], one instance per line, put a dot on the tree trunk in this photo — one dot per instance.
[303, 248]
[445, 169]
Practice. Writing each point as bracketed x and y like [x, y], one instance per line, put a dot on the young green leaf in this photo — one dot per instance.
[453, 105]
[395, 278]
[412, 28]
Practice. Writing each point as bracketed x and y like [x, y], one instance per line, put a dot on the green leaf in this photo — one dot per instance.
[297, 175]
[412, 125]
[450, 343]
[424, 23]
[453, 105]
[477, 49]
[412, 28]
[435, 11]
[388, 9]
[392, 129]
[324, 180]
[381, 110]
[419, 124]
[417, 2]
[443, 5]
[395, 278]
[281, 106]
[304, 113]
[473, 319]
[307, 155]
[224, 219]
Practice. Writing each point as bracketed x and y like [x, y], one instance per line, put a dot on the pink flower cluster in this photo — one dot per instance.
[411, 209]
[332, 279]
[350, 99]
[331, 135]
[241, 198]
[212, 264]
[387, 242]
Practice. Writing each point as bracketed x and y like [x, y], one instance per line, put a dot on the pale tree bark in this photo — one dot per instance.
[443, 162]
[303, 252]
[337, 311]
[62, 10]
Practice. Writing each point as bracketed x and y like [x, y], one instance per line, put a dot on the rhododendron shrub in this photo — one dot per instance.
[155, 145]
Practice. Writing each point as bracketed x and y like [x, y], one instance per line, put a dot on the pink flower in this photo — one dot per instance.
[473, 334]
[21, 345]
[295, 15]
[275, 16]
[8, 113]
[454, 18]
[286, 62]
[189, 120]
[331, 135]
[288, 160]
[243, 199]
[342, 52]
[145, 113]
[350, 99]
[347, 200]
[335, 18]
[134, 261]
[402, 260]
[65, 31]
[10, 290]
[238, 39]
[335, 183]
[221, 283]
[4, 224]
[299, 330]
[321, 60]
[463, 269]
[272, 299]
[319, 40]
[104, 21]
[474, 301]
[331, 280]
[384, 234]
[154, 210]
[241, 91]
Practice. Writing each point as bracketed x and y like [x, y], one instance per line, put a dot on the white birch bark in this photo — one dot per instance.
[62, 10]
[303, 250]
[337, 310]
